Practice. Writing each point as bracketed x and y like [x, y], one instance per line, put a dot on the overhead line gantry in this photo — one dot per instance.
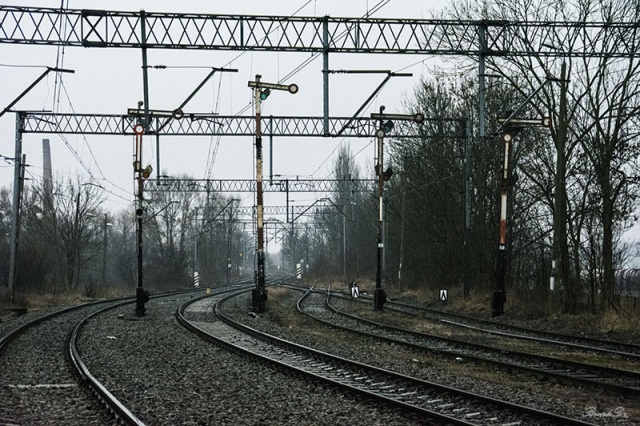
[160, 30]
[477, 39]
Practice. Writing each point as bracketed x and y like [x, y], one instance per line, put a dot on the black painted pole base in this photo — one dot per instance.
[379, 299]
[142, 297]
[497, 303]
[259, 299]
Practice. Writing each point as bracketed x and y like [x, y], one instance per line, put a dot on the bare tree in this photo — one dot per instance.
[67, 222]
[593, 102]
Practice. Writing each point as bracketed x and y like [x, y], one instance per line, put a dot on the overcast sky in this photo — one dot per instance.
[110, 81]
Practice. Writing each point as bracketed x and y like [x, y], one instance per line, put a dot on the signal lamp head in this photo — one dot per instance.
[147, 172]
[264, 94]
[387, 126]
[387, 174]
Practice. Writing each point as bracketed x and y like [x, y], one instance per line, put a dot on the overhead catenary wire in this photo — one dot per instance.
[213, 148]
[316, 55]
[59, 88]
[212, 154]
[59, 60]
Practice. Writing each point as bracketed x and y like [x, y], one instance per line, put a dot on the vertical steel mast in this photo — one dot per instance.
[261, 92]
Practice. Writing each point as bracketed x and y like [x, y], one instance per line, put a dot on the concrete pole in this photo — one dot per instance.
[15, 214]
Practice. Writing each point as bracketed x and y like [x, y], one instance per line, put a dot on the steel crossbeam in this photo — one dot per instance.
[207, 125]
[101, 28]
[284, 210]
[249, 185]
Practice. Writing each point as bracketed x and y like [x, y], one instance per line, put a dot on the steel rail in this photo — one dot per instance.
[580, 342]
[316, 358]
[538, 414]
[252, 332]
[556, 372]
[4, 340]
[110, 401]
[103, 394]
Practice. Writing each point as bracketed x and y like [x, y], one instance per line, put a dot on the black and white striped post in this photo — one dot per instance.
[510, 127]
[385, 126]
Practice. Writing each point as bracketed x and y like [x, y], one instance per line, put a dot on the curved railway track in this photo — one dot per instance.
[35, 367]
[50, 374]
[430, 401]
[621, 349]
[623, 382]
[137, 382]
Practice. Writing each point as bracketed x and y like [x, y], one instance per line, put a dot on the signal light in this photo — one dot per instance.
[264, 94]
[147, 172]
[139, 212]
[387, 126]
[386, 175]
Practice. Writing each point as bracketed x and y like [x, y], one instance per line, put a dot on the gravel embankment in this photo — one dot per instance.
[167, 376]
[280, 320]
[38, 386]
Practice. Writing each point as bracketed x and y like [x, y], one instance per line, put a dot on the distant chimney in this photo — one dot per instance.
[47, 177]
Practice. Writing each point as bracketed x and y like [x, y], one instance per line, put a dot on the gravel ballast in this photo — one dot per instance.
[168, 376]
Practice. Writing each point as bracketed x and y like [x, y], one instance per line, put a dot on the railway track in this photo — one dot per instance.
[34, 367]
[430, 401]
[110, 391]
[41, 361]
[623, 382]
[620, 349]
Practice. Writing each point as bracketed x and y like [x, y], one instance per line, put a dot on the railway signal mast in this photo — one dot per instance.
[385, 126]
[142, 296]
[261, 92]
[510, 127]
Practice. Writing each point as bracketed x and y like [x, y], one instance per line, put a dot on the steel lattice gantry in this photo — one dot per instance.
[249, 185]
[102, 28]
[208, 125]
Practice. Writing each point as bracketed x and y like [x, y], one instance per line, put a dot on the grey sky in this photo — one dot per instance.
[110, 81]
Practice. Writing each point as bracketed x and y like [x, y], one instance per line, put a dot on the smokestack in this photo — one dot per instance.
[47, 177]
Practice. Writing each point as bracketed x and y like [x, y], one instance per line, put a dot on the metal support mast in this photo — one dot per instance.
[142, 296]
[261, 92]
[385, 126]
[510, 127]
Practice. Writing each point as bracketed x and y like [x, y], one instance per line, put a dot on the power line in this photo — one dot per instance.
[316, 55]
[22, 66]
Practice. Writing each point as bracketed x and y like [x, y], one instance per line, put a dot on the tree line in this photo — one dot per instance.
[573, 188]
[69, 241]
[573, 191]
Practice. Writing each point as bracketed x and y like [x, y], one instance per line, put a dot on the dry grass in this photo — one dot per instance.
[44, 300]
[618, 322]
[277, 295]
